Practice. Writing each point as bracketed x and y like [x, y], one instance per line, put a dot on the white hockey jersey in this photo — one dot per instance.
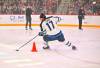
[50, 25]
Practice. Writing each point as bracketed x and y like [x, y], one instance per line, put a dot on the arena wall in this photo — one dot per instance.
[67, 20]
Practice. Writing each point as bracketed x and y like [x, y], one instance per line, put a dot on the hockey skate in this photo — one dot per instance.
[73, 47]
[69, 44]
[26, 28]
[46, 47]
[30, 28]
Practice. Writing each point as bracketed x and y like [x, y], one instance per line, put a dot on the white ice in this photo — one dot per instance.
[87, 54]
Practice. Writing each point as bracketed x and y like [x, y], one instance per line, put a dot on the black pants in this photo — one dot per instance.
[28, 20]
[80, 23]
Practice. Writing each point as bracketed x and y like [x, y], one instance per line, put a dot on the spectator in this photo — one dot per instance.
[50, 6]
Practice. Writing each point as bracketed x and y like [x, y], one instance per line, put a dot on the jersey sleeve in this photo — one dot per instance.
[56, 19]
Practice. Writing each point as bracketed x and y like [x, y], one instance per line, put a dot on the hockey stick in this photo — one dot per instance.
[26, 43]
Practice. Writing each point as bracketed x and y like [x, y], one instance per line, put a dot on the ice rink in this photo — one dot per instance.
[87, 54]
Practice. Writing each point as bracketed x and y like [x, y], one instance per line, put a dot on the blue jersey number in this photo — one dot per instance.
[52, 25]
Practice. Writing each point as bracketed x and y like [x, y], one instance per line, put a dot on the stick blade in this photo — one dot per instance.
[17, 50]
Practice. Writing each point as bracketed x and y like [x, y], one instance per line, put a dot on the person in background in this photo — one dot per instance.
[81, 14]
[28, 17]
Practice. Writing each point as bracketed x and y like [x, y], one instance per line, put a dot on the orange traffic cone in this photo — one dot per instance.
[34, 47]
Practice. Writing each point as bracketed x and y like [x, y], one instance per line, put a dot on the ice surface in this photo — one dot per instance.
[87, 54]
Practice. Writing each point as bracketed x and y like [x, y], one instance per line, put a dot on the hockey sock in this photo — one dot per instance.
[68, 43]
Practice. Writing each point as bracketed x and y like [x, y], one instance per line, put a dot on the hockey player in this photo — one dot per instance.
[50, 31]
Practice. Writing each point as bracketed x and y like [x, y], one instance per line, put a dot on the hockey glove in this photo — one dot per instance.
[41, 34]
